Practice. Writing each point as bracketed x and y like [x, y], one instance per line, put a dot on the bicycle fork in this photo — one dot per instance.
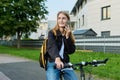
[61, 74]
[82, 73]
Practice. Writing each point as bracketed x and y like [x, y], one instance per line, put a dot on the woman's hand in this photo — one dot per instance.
[68, 31]
[59, 63]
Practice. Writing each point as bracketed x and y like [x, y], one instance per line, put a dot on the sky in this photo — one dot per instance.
[54, 6]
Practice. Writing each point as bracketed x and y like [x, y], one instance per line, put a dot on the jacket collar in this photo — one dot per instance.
[58, 33]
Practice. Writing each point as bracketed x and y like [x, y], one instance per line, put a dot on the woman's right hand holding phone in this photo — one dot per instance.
[68, 31]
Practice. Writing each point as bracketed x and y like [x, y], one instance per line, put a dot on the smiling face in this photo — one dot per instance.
[62, 19]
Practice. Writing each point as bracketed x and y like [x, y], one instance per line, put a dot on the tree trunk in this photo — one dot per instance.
[18, 39]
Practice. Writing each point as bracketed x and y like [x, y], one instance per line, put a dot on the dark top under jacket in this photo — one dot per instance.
[54, 46]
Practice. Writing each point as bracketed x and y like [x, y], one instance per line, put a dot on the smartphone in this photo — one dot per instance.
[68, 23]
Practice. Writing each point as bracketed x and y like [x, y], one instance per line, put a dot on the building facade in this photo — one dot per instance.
[100, 15]
[41, 31]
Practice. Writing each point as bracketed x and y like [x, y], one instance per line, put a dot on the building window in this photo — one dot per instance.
[105, 12]
[79, 23]
[105, 33]
[83, 20]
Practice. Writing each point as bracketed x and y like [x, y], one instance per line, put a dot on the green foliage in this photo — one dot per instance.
[20, 16]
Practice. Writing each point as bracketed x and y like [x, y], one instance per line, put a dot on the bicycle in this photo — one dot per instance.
[94, 63]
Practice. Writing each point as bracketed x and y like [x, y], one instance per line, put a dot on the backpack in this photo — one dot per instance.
[43, 57]
[43, 54]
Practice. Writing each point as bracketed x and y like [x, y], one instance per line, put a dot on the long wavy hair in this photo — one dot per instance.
[57, 26]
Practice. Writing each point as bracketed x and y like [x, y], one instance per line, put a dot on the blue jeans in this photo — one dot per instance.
[54, 74]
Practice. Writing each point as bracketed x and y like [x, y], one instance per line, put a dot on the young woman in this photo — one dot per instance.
[60, 45]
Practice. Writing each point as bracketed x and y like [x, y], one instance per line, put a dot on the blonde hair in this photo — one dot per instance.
[57, 26]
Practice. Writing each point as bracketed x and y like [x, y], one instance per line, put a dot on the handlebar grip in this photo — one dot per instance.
[97, 63]
[65, 66]
[68, 65]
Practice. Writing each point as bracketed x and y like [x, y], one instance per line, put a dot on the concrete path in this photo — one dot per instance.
[5, 58]
[17, 68]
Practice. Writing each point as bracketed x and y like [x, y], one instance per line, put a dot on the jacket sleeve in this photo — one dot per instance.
[69, 46]
[52, 46]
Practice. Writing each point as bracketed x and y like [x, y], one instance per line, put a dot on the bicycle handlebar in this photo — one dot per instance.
[94, 63]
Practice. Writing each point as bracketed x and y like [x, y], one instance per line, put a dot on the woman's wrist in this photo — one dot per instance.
[57, 59]
[67, 35]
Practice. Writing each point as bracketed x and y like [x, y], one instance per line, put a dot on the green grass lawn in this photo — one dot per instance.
[110, 70]
[22, 52]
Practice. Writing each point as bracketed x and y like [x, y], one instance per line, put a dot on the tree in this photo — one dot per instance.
[21, 16]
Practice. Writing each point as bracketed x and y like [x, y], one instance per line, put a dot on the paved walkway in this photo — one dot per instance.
[17, 68]
[5, 58]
